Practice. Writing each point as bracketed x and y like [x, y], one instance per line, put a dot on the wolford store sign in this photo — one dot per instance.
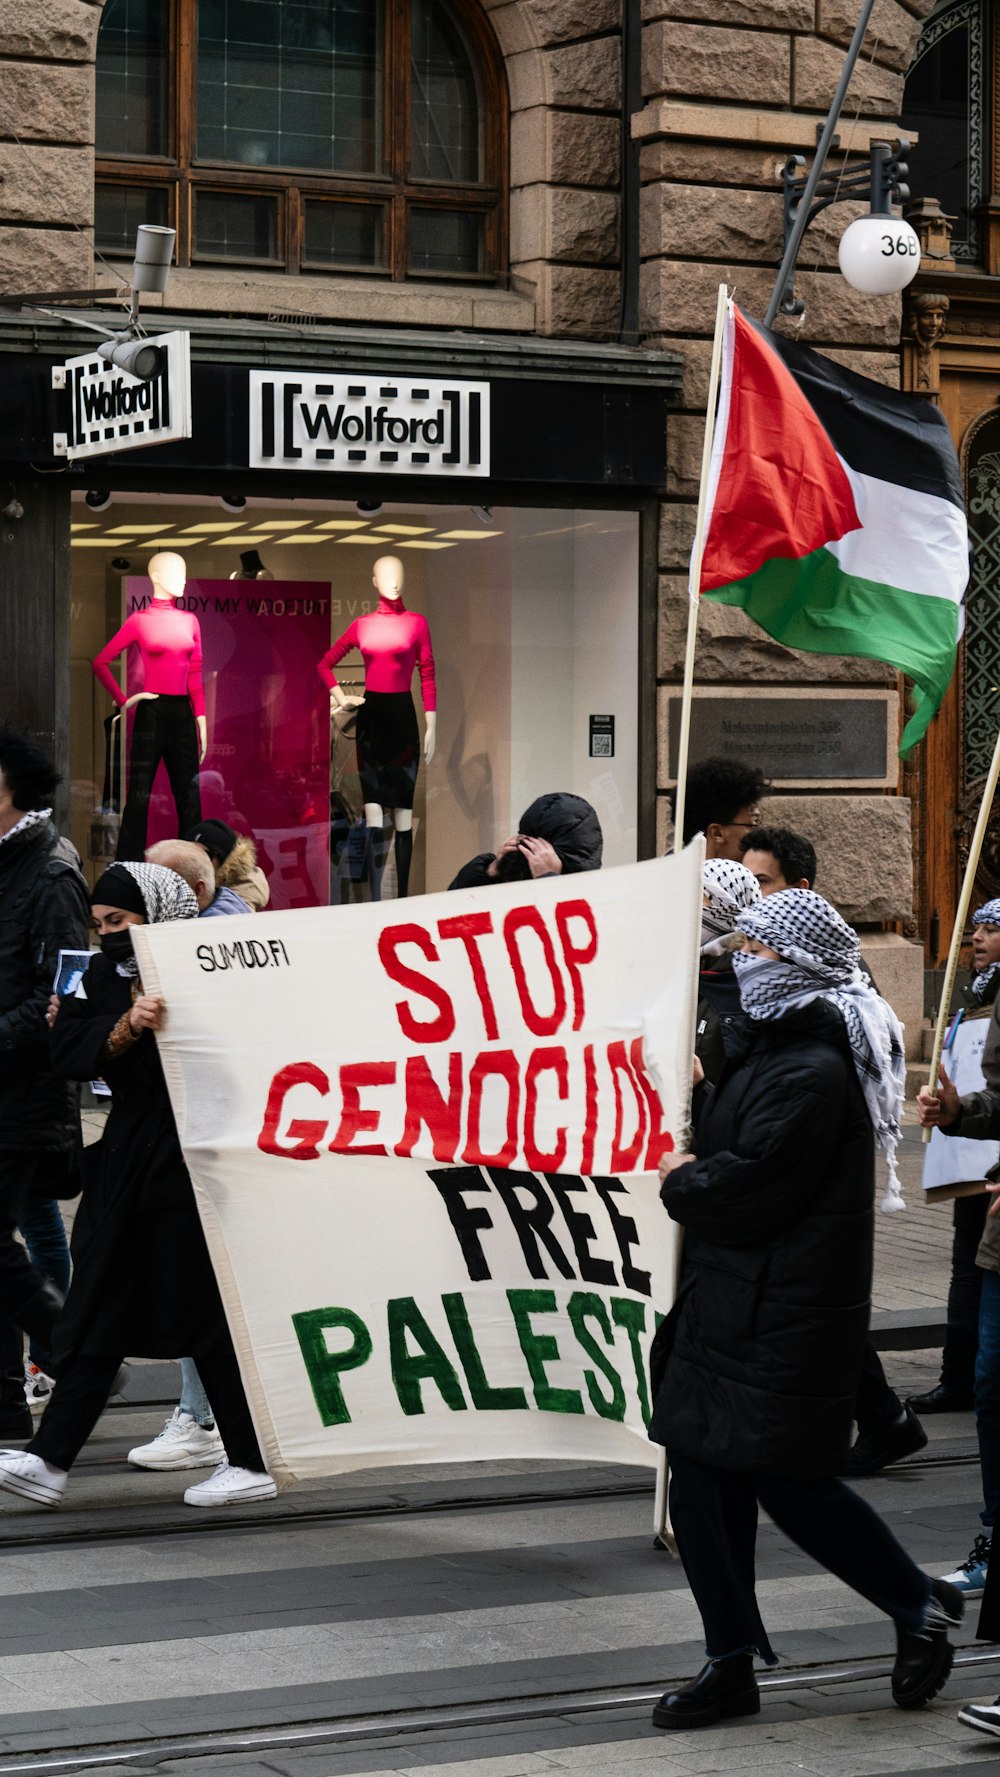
[387, 425]
[110, 410]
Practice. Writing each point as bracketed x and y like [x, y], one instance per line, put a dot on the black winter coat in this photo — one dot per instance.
[143, 1284]
[44, 908]
[720, 1013]
[771, 1320]
[568, 823]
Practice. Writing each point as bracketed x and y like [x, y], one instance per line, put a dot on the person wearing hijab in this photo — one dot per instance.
[143, 1283]
[756, 1367]
[729, 890]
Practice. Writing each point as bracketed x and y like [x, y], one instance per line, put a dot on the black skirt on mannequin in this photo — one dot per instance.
[388, 742]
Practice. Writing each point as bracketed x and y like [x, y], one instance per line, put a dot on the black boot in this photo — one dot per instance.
[15, 1414]
[942, 1398]
[875, 1448]
[40, 1312]
[723, 1687]
[924, 1656]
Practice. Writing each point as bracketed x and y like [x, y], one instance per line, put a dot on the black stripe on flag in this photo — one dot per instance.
[878, 431]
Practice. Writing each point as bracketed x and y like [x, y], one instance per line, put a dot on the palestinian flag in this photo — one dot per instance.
[835, 513]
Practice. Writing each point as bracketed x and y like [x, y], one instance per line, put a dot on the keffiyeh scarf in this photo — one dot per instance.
[33, 818]
[729, 890]
[165, 896]
[820, 958]
[987, 915]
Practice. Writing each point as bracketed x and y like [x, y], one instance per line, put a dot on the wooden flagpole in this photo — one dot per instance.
[694, 589]
[961, 915]
[663, 1537]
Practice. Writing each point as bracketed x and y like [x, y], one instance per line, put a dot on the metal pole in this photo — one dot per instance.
[801, 222]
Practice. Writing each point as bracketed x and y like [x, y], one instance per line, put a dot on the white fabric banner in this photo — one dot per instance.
[951, 1159]
[423, 1137]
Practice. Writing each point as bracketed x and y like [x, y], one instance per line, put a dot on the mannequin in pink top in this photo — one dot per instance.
[391, 642]
[170, 715]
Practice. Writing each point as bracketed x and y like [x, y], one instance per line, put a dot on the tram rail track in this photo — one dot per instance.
[116, 1524]
[384, 1727]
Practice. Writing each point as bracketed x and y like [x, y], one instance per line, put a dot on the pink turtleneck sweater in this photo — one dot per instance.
[391, 641]
[169, 644]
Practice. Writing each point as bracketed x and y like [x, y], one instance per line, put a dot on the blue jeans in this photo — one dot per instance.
[44, 1234]
[194, 1400]
[988, 1395]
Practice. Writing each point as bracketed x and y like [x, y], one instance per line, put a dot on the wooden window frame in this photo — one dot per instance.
[393, 189]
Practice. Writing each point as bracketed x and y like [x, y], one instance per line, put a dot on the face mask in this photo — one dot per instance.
[746, 960]
[117, 946]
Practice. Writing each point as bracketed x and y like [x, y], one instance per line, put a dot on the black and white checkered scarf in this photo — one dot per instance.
[819, 958]
[729, 890]
[987, 915]
[165, 896]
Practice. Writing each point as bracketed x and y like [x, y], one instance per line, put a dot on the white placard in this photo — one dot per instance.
[952, 1159]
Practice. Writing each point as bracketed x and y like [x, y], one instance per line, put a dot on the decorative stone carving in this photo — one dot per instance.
[926, 322]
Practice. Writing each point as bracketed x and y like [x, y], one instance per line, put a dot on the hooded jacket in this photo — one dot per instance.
[770, 1324]
[242, 873]
[568, 823]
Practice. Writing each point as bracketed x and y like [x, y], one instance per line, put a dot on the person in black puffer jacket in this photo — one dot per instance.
[757, 1366]
[559, 834]
[44, 908]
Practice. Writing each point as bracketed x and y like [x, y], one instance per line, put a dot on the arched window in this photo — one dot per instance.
[945, 104]
[305, 135]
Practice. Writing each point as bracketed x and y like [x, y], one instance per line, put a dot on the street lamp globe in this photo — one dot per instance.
[879, 254]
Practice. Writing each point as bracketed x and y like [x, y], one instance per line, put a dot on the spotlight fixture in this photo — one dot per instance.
[233, 502]
[97, 499]
[138, 357]
[120, 563]
[368, 508]
[483, 513]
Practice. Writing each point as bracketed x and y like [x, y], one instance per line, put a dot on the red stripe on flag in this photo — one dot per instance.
[782, 489]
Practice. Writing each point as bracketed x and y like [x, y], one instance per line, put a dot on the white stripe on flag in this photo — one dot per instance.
[721, 431]
[913, 541]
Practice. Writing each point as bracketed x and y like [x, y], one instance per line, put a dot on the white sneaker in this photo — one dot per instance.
[231, 1486]
[984, 1716]
[29, 1476]
[37, 1387]
[182, 1443]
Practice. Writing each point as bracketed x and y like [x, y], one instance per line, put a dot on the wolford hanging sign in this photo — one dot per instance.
[111, 410]
[386, 425]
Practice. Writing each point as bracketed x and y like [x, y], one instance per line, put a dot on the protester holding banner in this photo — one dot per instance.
[755, 1396]
[143, 1284]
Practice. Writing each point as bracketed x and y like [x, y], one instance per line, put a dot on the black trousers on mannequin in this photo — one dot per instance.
[164, 728]
[714, 1515]
[82, 1390]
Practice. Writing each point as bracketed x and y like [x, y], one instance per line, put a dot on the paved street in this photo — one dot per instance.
[453, 1622]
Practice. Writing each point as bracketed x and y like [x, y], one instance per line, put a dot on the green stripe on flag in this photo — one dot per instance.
[811, 604]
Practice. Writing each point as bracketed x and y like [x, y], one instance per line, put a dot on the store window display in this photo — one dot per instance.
[170, 722]
[392, 641]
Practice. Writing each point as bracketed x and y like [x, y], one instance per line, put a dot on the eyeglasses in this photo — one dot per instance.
[748, 824]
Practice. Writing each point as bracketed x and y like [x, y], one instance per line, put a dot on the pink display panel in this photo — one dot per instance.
[267, 769]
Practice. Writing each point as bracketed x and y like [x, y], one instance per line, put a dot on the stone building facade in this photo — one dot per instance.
[644, 140]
